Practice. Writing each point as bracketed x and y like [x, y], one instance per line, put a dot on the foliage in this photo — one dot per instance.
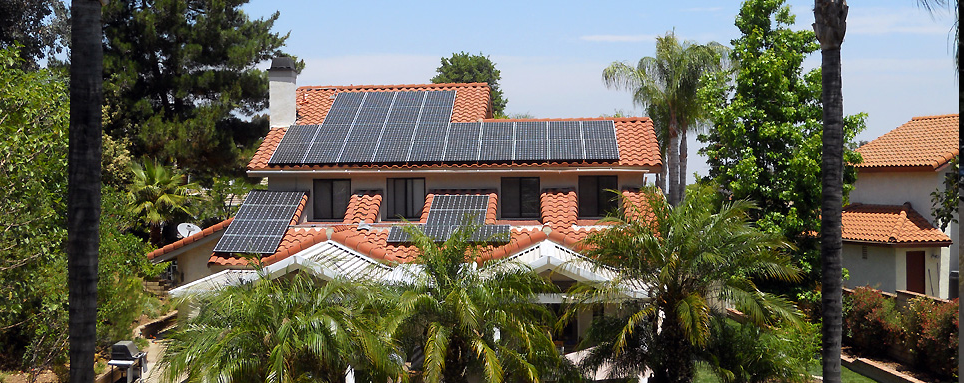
[944, 202]
[33, 265]
[218, 202]
[157, 194]
[746, 353]
[33, 163]
[116, 163]
[765, 144]
[464, 68]
[38, 27]
[686, 259]
[871, 321]
[932, 332]
[666, 85]
[181, 83]
[282, 330]
[473, 321]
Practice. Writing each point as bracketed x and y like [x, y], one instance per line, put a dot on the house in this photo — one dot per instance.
[890, 240]
[348, 166]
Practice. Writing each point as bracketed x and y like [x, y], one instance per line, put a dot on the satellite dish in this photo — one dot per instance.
[187, 229]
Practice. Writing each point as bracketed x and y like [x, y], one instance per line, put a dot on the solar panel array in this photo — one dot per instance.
[448, 213]
[261, 222]
[413, 126]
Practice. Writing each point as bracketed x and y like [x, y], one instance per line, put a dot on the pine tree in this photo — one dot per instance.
[181, 82]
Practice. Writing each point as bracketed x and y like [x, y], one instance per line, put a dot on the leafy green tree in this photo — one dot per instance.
[765, 143]
[830, 27]
[282, 330]
[686, 260]
[473, 321]
[944, 203]
[181, 82]
[39, 27]
[33, 121]
[157, 195]
[746, 353]
[463, 67]
[667, 85]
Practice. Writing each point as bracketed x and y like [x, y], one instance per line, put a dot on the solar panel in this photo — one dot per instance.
[598, 130]
[530, 130]
[496, 150]
[427, 151]
[498, 130]
[452, 210]
[462, 142]
[564, 130]
[566, 150]
[492, 233]
[601, 150]
[531, 150]
[260, 223]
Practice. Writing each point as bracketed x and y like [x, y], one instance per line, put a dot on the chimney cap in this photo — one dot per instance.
[282, 63]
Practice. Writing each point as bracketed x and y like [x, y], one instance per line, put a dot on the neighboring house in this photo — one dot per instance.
[890, 239]
[347, 166]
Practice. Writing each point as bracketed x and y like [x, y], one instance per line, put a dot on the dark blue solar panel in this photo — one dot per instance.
[324, 152]
[492, 233]
[500, 151]
[566, 150]
[403, 115]
[564, 130]
[498, 130]
[358, 152]
[378, 100]
[409, 99]
[457, 209]
[440, 98]
[598, 130]
[293, 145]
[427, 151]
[601, 150]
[431, 132]
[462, 144]
[260, 223]
[531, 150]
[435, 115]
[530, 130]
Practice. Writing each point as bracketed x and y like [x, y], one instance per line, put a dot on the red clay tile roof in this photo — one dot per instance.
[889, 224]
[926, 143]
[472, 101]
[189, 240]
[363, 206]
[634, 135]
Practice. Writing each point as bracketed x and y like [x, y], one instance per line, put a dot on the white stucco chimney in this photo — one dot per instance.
[281, 88]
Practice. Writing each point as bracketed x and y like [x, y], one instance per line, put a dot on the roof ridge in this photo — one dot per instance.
[392, 86]
[935, 116]
[614, 119]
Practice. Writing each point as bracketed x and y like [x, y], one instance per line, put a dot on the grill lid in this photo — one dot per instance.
[124, 350]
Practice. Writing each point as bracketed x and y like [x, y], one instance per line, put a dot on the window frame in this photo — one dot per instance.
[511, 201]
[318, 198]
[413, 200]
[592, 201]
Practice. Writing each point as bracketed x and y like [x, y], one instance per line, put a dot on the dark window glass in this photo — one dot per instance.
[595, 199]
[331, 199]
[520, 197]
[406, 197]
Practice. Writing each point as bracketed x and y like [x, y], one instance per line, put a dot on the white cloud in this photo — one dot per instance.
[618, 38]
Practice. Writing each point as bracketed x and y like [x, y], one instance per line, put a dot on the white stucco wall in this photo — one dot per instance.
[192, 264]
[460, 180]
[879, 270]
[895, 188]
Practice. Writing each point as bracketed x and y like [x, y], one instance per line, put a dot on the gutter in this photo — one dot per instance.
[282, 172]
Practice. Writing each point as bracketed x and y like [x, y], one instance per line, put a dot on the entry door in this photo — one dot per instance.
[915, 271]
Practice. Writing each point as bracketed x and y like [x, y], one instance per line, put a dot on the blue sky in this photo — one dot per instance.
[897, 58]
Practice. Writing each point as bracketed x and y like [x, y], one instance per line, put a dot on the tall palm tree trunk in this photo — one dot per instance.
[83, 190]
[673, 159]
[683, 156]
[830, 27]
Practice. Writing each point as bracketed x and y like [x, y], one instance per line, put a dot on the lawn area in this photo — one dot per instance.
[705, 375]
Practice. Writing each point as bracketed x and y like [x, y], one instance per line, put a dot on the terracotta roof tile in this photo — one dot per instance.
[889, 224]
[189, 240]
[296, 219]
[363, 206]
[266, 149]
[923, 142]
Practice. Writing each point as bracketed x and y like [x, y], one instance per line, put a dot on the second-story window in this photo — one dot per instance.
[520, 197]
[331, 199]
[595, 199]
[406, 198]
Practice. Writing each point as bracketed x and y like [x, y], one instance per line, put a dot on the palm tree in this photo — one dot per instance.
[157, 194]
[688, 260]
[473, 321]
[282, 330]
[83, 185]
[671, 80]
[830, 26]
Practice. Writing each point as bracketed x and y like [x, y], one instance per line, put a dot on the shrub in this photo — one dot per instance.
[871, 322]
[932, 332]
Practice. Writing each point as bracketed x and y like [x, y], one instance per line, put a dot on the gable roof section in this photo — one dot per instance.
[923, 143]
[472, 101]
[889, 224]
[169, 248]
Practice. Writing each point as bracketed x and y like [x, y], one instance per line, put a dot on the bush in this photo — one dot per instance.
[871, 322]
[932, 332]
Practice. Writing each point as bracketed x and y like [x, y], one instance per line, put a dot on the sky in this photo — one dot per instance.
[897, 58]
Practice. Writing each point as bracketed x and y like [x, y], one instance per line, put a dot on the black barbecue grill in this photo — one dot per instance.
[127, 357]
